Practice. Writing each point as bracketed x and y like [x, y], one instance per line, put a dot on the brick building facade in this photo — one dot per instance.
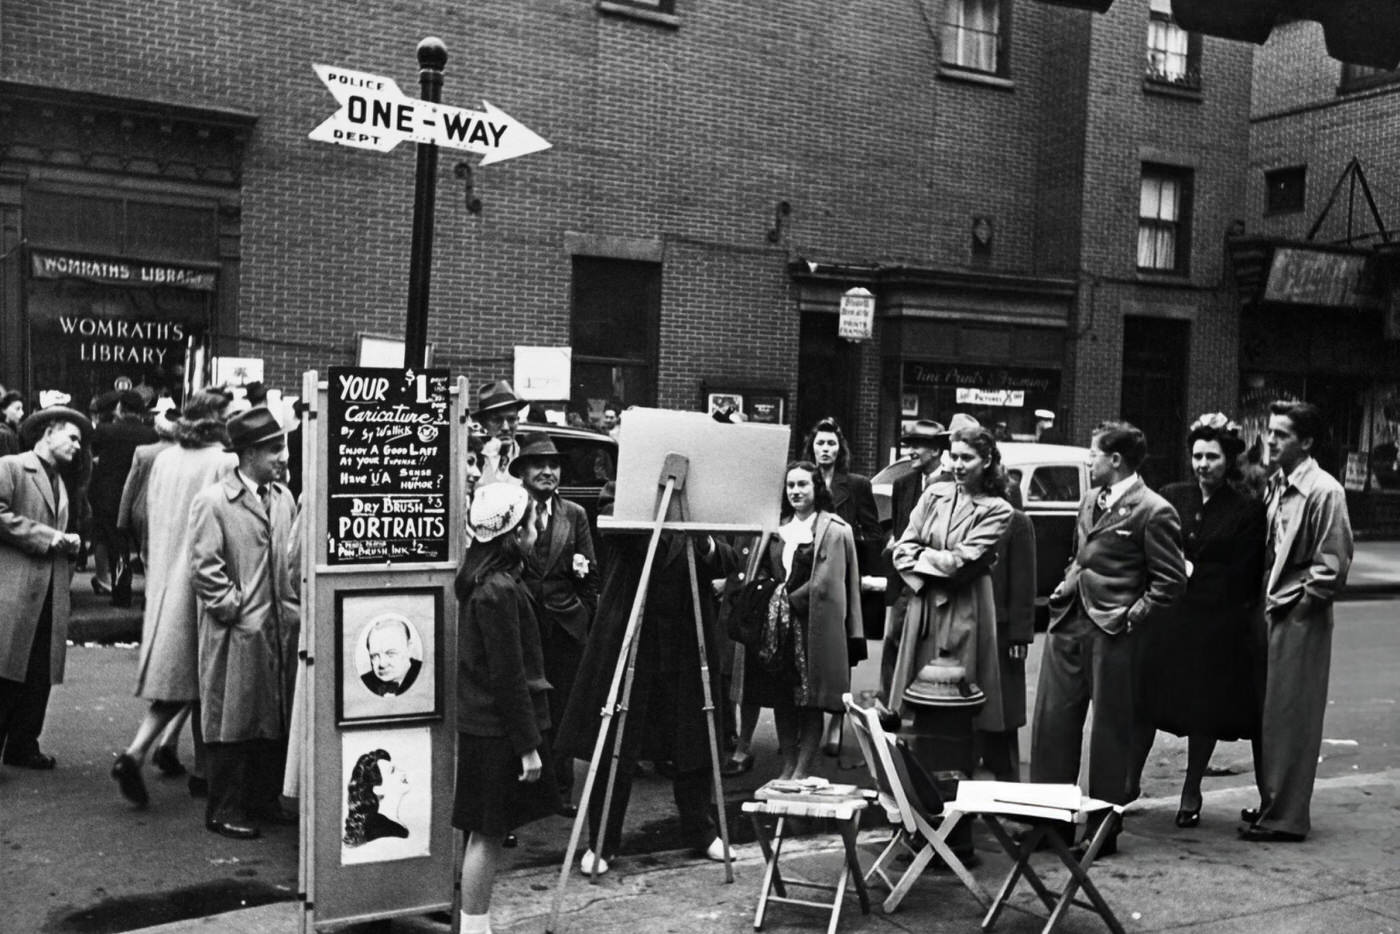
[718, 176]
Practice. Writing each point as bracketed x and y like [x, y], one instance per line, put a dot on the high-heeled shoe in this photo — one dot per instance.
[1187, 819]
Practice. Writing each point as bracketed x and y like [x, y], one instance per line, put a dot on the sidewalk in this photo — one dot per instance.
[1203, 881]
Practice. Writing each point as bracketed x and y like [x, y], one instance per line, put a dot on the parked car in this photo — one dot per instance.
[1052, 479]
[587, 460]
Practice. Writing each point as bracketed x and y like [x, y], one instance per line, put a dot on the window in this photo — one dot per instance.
[1057, 484]
[1173, 54]
[972, 35]
[1285, 190]
[1361, 77]
[1164, 215]
[616, 324]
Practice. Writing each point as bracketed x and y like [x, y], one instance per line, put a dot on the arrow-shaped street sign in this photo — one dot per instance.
[375, 114]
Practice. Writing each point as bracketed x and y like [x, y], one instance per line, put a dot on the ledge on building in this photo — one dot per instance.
[1183, 92]
[953, 73]
[629, 11]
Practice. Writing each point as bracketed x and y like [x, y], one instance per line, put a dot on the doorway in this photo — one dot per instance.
[1155, 354]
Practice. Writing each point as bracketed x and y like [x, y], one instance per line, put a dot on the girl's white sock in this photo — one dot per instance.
[476, 924]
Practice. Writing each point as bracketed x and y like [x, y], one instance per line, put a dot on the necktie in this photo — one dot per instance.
[541, 521]
[263, 494]
[1100, 504]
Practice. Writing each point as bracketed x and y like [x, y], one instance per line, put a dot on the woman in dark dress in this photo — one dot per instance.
[1198, 681]
[853, 500]
[505, 777]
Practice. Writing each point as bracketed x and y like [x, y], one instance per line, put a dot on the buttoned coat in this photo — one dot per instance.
[30, 519]
[168, 665]
[248, 614]
[944, 556]
[564, 599]
[1127, 566]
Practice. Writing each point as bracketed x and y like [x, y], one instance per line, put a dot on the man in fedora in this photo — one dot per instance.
[37, 550]
[562, 575]
[248, 625]
[498, 411]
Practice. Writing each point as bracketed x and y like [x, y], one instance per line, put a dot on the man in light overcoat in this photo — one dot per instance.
[36, 571]
[1128, 566]
[248, 626]
[1308, 554]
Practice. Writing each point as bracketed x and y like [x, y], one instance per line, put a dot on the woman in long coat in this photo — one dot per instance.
[945, 556]
[167, 670]
[1200, 682]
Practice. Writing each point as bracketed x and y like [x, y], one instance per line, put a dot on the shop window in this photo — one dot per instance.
[974, 35]
[1173, 54]
[616, 315]
[1057, 484]
[1285, 190]
[1164, 219]
[1362, 77]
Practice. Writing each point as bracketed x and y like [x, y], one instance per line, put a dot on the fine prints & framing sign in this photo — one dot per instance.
[389, 464]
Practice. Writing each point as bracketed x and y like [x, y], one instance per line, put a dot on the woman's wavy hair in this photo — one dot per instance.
[994, 482]
[1216, 427]
[821, 496]
[843, 451]
[201, 422]
[363, 801]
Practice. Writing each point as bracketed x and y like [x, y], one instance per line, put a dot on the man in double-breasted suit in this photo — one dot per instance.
[562, 575]
[1128, 565]
[1308, 553]
[36, 571]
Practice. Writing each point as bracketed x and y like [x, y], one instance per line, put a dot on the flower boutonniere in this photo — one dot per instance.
[581, 566]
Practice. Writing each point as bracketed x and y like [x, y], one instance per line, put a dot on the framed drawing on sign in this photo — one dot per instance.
[388, 655]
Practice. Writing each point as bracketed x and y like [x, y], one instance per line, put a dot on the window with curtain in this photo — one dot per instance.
[1173, 54]
[972, 35]
[1164, 219]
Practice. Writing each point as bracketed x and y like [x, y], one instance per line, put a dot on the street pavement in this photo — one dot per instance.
[75, 858]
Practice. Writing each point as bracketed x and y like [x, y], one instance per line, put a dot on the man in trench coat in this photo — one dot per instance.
[248, 626]
[36, 570]
[1308, 554]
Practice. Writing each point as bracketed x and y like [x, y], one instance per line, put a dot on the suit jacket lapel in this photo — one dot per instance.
[963, 513]
[1284, 547]
[558, 534]
[1119, 512]
[40, 477]
[840, 490]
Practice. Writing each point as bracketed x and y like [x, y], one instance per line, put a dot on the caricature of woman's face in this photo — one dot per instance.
[393, 782]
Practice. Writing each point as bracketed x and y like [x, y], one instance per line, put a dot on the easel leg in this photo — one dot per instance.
[629, 648]
[717, 789]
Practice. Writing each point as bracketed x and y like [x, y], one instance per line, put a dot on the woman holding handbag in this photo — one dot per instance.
[945, 556]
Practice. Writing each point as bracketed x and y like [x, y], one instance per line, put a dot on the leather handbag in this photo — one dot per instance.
[743, 607]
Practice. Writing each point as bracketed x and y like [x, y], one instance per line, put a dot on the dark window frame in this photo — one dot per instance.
[947, 51]
[1281, 197]
[587, 274]
[1181, 226]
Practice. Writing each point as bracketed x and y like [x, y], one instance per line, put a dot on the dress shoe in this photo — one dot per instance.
[1249, 815]
[832, 749]
[510, 841]
[1264, 835]
[199, 787]
[100, 588]
[568, 810]
[1187, 819]
[127, 771]
[587, 861]
[170, 766]
[232, 831]
[737, 765]
[35, 760]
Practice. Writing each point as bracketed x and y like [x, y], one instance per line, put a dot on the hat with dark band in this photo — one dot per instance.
[33, 427]
[497, 397]
[533, 447]
[924, 431]
[251, 428]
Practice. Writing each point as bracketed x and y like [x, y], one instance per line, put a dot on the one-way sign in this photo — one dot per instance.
[375, 114]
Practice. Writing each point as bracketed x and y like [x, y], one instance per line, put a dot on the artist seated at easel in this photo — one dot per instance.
[562, 575]
[666, 715]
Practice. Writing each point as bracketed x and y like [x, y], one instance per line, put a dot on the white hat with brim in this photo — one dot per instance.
[496, 509]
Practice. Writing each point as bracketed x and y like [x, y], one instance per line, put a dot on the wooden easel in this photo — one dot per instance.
[671, 482]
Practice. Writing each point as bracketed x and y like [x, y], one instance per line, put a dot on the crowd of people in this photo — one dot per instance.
[1202, 609]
